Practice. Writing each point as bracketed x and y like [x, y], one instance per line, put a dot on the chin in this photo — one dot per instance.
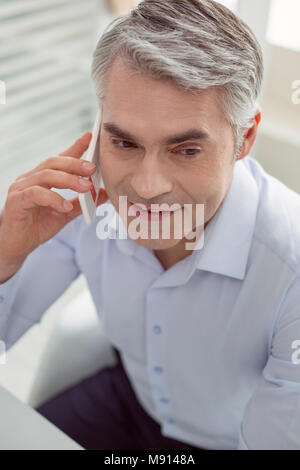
[157, 244]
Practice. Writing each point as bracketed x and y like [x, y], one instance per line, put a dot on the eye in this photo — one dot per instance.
[126, 145]
[116, 142]
[190, 155]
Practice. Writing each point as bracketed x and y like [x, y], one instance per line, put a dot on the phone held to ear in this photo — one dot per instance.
[89, 199]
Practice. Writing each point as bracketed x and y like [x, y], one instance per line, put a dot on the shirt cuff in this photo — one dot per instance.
[7, 292]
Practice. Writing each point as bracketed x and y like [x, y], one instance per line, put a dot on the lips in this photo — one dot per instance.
[142, 207]
[153, 211]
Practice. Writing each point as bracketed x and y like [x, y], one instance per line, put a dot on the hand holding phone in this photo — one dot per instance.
[33, 213]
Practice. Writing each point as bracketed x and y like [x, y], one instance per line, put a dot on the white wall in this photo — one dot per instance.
[278, 142]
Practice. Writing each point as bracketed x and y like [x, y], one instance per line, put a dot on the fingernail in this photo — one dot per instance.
[88, 166]
[85, 183]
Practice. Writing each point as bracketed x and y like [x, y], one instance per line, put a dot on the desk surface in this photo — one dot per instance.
[22, 427]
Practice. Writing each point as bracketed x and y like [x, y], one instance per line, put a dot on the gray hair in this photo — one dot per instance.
[198, 44]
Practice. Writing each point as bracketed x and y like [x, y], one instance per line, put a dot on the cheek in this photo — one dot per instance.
[204, 181]
[108, 166]
[208, 188]
[114, 175]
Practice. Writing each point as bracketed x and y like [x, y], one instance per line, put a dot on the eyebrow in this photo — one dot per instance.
[190, 134]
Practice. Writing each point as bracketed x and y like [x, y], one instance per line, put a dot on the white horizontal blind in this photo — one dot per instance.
[45, 55]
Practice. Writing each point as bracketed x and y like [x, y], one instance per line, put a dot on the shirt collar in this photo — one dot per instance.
[227, 238]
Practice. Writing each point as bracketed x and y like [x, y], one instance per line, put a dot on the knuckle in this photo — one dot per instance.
[11, 198]
[14, 187]
[20, 177]
[26, 193]
[50, 161]
[46, 173]
[31, 191]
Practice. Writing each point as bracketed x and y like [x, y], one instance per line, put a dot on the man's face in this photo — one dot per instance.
[145, 167]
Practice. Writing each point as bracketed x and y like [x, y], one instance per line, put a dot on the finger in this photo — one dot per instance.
[36, 196]
[79, 146]
[68, 164]
[53, 179]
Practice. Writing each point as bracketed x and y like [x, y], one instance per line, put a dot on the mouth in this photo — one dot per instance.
[151, 215]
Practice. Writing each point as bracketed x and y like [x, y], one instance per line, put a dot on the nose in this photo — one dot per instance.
[150, 179]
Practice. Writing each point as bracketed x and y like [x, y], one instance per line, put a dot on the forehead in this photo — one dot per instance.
[135, 98]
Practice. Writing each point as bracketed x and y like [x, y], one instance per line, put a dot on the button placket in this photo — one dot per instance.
[157, 329]
[156, 317]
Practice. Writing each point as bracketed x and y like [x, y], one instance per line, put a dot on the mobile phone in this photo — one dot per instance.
[89, 199]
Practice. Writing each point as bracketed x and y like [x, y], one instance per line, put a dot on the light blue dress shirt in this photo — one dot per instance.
[209, 344]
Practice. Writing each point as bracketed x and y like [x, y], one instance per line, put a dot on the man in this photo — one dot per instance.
[205, 338]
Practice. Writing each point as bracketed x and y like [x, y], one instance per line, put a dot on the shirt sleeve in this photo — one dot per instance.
[44, 276]
[271, 419]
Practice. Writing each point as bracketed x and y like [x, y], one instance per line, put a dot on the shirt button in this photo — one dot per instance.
[171, 420]
[1, 298]
[164, 400]
[158, 369]
[157, 329]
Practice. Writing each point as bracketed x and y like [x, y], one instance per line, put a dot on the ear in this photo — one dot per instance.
[250, 136]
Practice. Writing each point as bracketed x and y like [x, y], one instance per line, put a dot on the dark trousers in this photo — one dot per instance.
[102, 412]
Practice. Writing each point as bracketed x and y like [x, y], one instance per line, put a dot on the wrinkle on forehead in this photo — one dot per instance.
[137, 101]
